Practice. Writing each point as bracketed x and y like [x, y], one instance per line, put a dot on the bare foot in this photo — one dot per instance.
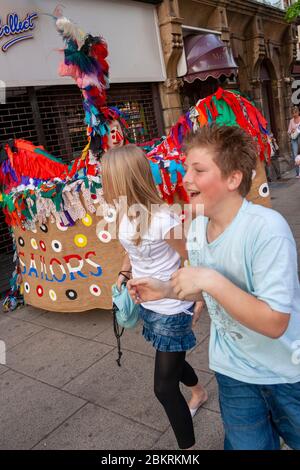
[199, 396]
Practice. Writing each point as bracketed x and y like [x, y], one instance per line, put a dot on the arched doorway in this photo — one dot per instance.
[267, 96]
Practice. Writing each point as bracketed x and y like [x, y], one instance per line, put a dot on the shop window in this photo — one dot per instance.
[135, 116]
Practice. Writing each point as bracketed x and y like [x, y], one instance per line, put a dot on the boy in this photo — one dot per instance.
[244, 263]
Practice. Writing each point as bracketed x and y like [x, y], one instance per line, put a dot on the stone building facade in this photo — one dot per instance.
[263, 47]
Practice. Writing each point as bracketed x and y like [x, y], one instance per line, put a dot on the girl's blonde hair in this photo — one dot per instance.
[127, 172]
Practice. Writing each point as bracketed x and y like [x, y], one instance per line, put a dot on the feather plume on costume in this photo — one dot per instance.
[70, 31]
[85, 61]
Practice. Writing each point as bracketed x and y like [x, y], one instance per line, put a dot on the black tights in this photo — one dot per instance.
[170, 369]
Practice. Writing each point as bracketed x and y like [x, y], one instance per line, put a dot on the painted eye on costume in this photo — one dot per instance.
[56, 246]
[21, 241]
[40, 291]
[80, 240]
[87, 220]
[104, 236]
[44, 228]
[264, 190]
[26, 287]
[34, 243]
[95, 290]
[52, 295]
[71, 294]
[61, 227]
[42, 245]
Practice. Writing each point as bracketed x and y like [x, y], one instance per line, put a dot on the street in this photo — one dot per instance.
[61, 387]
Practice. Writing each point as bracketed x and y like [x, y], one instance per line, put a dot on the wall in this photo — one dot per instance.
[254, 31]
[129, 27]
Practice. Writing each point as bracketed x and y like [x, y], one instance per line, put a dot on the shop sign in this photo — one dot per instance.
[16, 29]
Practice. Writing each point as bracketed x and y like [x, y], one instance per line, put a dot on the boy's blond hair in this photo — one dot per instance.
[127, 172]
[234, 150]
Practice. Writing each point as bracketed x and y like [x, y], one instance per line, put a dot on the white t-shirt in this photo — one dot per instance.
[153, 257]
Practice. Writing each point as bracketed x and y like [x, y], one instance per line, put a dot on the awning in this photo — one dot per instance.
[207, 56]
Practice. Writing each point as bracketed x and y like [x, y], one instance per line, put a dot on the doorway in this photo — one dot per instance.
[267, 97]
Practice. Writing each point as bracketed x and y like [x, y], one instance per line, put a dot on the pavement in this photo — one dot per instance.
[61, 387]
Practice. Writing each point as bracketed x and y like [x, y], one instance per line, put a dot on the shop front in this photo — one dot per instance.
[45, 108]
[258, 51]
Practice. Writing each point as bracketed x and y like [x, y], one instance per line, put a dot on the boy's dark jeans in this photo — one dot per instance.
[255, 416]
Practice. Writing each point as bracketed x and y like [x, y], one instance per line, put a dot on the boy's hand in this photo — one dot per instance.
[147, 289]
[188, 283]
[198, 307]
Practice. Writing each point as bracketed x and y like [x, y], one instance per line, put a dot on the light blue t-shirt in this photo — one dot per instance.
[257, 252]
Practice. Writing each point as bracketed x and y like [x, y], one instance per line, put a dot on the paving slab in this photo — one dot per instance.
[54, 357]
[204, 318]
[14, 331]
[94, 428]
[104, 383]
[127, 390]
[208, 430]
[27, 313]
[29, 410]
[84, 324]
[198, 357]
[3, 369]
[212, 403]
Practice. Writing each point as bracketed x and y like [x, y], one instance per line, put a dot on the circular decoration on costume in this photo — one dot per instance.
[71, 294]
[34, 243]
[111, 215]
[44, 228]
[264, 190]
[52, 295]
[80, 240]
[23, 228]
[95, 290]
[42, 245]
[61, 227]
[87, 220]
[40, 291]
[253, 174]
[104, 236]
[93, 196]
[21, 241]
[56, 246]
[26, 287]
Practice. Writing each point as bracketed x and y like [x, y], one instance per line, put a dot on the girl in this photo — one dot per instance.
[152, 250]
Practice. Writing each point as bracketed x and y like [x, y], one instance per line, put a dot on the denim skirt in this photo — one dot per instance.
[169, 333]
